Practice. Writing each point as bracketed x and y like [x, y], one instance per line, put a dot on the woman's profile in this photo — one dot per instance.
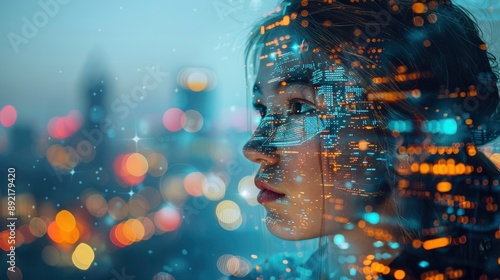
[377, 131]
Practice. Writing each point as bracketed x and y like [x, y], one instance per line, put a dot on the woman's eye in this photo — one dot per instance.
[298, 107]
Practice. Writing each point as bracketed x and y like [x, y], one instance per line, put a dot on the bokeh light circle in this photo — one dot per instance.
[197, 81]
[227, 211]
[222, 264]
[133, 230]
[96, 205]
[163, 276]
[233, 265]
[63, 127]
[193, 183]
[149, 227]
[138, 205]
[168, 218]
[38, 227]
[172, 189]
[65, 221]
[152, 195]
[136, 164]
[117, 208]
[192, 121]
[51, 255]
[83, 256]
[172, 119]
[214, 188]
[248, 190]
[125, 169]
[157, 164]
[8, 116]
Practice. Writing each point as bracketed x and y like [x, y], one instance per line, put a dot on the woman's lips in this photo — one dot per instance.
[267, 194]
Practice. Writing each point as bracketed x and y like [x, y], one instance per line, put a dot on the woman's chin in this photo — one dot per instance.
[281, 228]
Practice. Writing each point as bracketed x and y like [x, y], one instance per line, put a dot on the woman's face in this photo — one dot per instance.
[321, 166]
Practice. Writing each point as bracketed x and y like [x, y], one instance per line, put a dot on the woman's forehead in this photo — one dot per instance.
[286, 56]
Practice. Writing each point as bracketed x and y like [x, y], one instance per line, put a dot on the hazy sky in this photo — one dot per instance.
[41, 75]
[42, 70]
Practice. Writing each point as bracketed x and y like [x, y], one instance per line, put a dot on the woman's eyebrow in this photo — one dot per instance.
[290, 83]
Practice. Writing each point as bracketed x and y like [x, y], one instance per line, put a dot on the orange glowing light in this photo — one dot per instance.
[4, 238]
[444, 186]
[122, 173]
[436, 243]
[416, 243]
[425, 168]
[363, 145]
[65, 221]
[114, 240]
[54, 233]
[136, 164]
[399, 274]
[133, 230]
[285, 21]
[419, 8]
[120, 235]
[71, 237]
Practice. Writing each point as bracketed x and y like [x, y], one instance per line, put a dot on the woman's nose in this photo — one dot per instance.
[255, 151]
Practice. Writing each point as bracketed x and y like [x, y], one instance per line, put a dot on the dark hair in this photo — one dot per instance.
[391, 46]
[432, 54]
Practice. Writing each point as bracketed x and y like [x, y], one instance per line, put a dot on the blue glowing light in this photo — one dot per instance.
[401, 126]
[338, 239]
[423, 264]
[349, 226]
[394, 245]
[373, 218]
[344, 246]
[449, 126]
[350, 259]
[444, 126]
